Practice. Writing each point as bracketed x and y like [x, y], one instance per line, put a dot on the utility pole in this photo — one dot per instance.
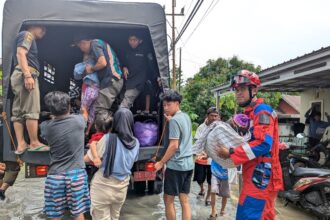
[173, 46]
[173, 40]
[180, 72]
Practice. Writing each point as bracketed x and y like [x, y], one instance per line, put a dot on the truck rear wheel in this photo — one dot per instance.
[140, 187]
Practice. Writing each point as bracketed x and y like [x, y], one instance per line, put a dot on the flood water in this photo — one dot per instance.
[25, 202]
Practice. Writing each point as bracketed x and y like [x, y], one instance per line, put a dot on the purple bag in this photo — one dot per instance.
[146, 132]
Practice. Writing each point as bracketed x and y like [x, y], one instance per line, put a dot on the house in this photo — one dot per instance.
[308, 74]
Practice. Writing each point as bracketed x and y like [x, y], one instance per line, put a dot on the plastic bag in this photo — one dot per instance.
[146, 132]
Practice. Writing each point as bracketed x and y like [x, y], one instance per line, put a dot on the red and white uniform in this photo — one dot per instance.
[262, 173]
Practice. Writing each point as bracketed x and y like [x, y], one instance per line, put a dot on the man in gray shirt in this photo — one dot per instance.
[178, 156]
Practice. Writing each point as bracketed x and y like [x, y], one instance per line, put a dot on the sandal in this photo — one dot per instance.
[222, 213]
[211, 217]
[17, 152]
[207, 203]
[42, 148]
[201, 193]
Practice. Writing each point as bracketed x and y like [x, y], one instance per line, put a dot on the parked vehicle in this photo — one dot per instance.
[107, 20]
[306, 187]
[316, 156]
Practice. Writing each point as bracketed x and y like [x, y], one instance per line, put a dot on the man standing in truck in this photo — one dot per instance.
[24, 84]
[107, 67]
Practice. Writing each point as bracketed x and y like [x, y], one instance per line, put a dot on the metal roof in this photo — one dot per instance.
[309, 71]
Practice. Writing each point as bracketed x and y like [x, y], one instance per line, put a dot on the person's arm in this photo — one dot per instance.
[96, 158]
[23, 47]
[87, 159]
[172, 148]
[84, 113]
[328, 116]
[98, 53]
[263, 140]
[100, 64]
[308, 113]
[2, 167]
[174, 137]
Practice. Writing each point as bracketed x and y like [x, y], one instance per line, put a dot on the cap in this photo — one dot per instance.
[212, 110]
[241, 120]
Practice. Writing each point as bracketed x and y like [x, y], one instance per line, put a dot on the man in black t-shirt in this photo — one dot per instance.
[25, 87]
[107, 67]
[136, 65]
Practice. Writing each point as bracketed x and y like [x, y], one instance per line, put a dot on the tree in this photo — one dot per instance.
[197, 95]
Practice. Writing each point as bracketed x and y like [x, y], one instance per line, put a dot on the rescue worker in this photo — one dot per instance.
[262, 174]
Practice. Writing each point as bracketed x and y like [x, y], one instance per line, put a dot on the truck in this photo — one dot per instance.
[106, 20]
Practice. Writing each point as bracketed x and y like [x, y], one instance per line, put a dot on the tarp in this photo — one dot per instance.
[82, 13]
[16, 12]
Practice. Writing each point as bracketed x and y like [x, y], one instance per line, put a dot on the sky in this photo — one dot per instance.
[263, 32]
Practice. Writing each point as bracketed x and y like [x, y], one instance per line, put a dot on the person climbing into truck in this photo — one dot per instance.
[107, 67]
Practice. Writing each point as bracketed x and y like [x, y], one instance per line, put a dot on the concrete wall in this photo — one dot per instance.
[311, 95]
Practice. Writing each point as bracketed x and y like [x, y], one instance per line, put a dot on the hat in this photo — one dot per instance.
[212, 110]
[241, 120]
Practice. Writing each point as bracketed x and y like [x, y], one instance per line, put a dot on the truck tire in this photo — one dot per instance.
[156, 186]
[140, 187]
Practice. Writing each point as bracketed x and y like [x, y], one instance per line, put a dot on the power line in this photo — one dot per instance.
[191, 1]
[188, 21]
[207, 12]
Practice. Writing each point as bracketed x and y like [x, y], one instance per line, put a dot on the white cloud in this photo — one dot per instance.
[263, 32]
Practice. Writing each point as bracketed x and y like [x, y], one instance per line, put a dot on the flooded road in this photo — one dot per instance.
[25, 202]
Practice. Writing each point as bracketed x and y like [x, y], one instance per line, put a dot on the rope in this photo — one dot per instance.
[4, 117]
[160, 141]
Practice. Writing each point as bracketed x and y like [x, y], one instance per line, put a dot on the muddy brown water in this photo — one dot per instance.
[25, 202]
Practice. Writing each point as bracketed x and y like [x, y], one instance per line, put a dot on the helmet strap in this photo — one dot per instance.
[248, 102]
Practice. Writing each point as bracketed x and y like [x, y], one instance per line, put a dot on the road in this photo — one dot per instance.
[25, 201]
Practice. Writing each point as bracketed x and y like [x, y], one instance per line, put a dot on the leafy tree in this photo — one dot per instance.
[197, 95]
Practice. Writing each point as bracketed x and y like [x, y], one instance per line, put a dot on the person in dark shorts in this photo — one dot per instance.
[203, 163]
[66, 185]
[178, 156]
[8, 176]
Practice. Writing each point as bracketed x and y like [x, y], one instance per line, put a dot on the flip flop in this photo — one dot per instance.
[17, 152]
[39, 149]
[211, 217]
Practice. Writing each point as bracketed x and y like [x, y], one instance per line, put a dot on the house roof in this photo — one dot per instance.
[293, 100]
[311, 70]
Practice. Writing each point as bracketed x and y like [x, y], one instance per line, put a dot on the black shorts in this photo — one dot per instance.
[177, 182]
[201, 173]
